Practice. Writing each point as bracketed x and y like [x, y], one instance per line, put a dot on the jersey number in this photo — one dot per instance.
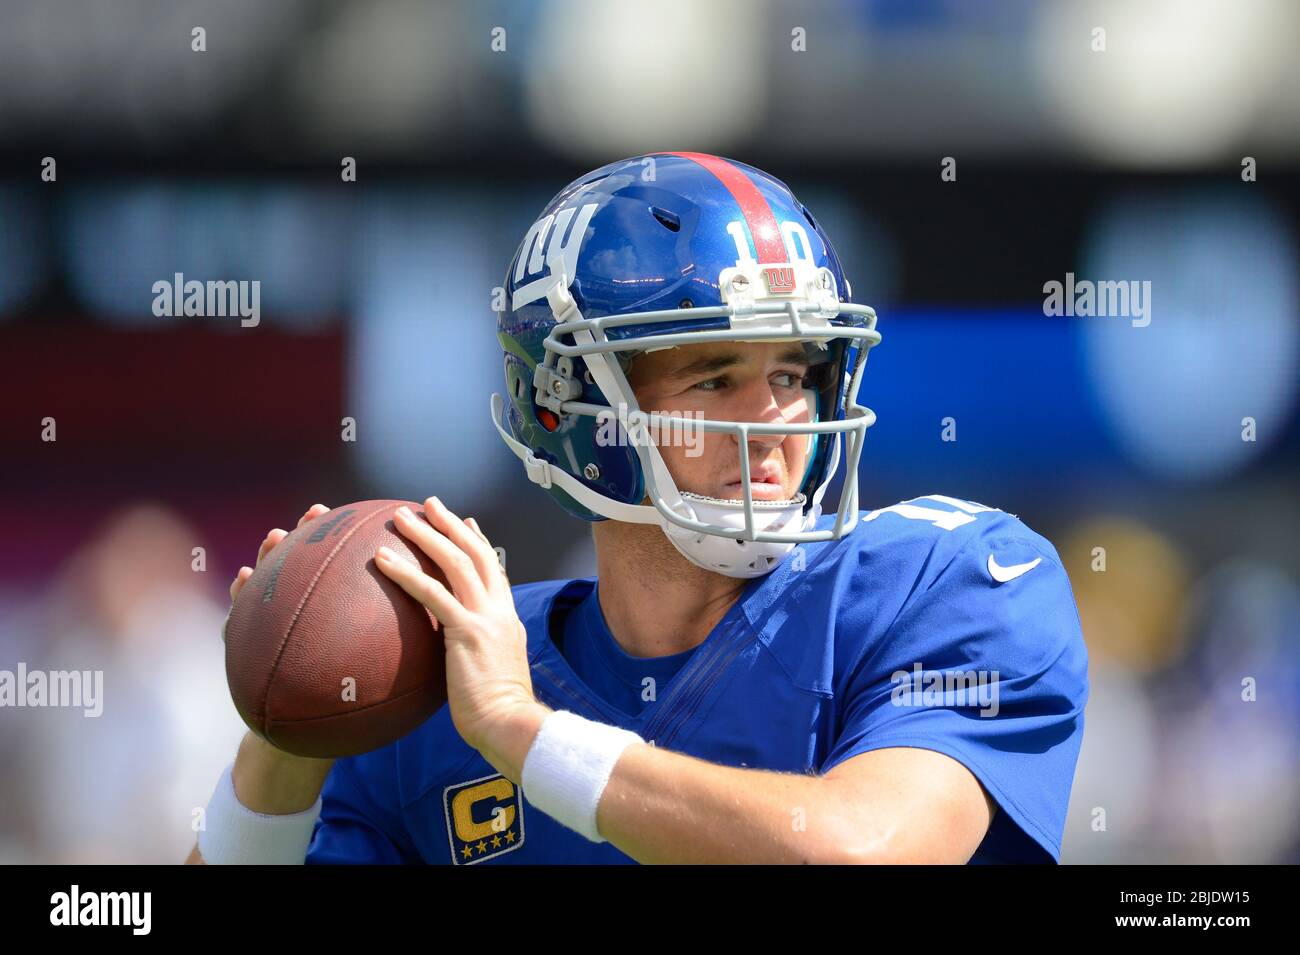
[948, 520]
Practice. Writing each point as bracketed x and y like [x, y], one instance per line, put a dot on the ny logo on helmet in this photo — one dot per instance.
[779, 278]
[561, 243]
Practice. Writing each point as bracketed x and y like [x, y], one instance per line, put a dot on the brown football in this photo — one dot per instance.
[325, 656]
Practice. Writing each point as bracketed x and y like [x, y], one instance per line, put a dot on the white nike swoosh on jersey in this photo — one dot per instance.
[1003, 574]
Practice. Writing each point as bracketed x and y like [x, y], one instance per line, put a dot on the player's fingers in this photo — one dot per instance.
[460, 568]
[316, 510]
[408, 575]
[237, 584]
[473, 525]
[474, 544]
[277, 534]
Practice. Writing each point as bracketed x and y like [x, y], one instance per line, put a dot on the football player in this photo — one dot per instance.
[746, 678]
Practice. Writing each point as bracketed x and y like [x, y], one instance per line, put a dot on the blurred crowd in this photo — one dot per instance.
[122, 786]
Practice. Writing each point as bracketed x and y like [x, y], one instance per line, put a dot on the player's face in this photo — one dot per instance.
[729, 381]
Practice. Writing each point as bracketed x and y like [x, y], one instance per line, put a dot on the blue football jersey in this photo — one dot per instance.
[936, 623]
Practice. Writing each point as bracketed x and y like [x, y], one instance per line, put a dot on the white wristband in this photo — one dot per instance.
[568, 765]
[233, 834]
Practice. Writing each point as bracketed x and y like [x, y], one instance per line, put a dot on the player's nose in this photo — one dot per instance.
[761, 444]
[759, 400]
[760, 406]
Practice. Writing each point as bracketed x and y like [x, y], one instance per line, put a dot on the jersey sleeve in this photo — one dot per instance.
[991, 673]
[360, 822]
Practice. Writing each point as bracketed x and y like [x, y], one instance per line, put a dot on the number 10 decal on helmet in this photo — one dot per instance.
[664, 250]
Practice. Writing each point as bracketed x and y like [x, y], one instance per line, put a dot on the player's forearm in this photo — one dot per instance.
[665, 807]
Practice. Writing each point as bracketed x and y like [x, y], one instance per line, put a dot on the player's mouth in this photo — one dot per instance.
[765, 485]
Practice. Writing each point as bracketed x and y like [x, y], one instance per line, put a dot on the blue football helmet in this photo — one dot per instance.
[663, 250]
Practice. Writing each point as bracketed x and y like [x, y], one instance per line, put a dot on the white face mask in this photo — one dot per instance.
[747, 558]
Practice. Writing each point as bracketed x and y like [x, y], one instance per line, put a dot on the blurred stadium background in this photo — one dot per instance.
[176, 433]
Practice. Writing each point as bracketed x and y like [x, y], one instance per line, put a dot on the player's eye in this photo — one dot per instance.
[709, 384]
[790, 379]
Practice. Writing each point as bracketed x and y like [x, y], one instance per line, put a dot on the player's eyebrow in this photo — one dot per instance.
[794, 355]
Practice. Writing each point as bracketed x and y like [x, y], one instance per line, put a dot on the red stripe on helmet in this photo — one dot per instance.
[758, 214]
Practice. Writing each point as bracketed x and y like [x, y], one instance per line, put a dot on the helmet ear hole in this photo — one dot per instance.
[514, 379]
[666, 219]
[808, 215]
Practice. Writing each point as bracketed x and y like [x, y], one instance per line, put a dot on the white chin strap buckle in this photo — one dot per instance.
[539, 471]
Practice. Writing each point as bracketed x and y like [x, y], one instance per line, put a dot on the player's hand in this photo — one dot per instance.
[267, 779]
[488, 679]
[273, 538]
